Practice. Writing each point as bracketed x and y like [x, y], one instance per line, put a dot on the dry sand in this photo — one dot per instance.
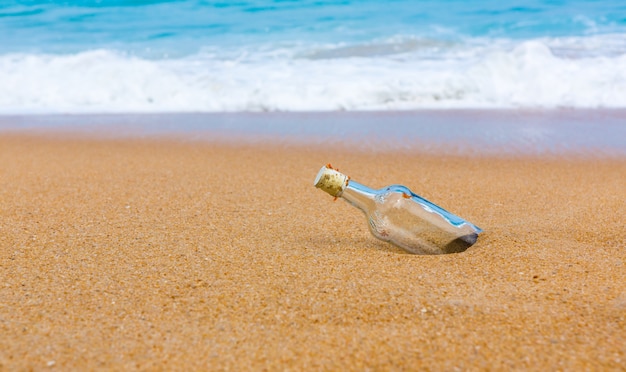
[149, 254]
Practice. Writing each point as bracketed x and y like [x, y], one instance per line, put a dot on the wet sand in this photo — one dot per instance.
[189, 255]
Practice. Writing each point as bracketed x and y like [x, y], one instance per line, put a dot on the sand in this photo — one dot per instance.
[154, 254]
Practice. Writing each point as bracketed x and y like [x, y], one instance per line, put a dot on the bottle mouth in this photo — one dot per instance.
[331, 181]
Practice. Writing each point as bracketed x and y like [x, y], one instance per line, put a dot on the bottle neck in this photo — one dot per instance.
[359, 195]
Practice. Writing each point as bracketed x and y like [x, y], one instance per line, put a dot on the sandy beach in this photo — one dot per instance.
[157, 254]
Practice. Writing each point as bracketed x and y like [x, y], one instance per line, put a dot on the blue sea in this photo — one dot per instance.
[143, 56]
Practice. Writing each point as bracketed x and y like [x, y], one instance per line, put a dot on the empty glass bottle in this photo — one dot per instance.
[397, 215]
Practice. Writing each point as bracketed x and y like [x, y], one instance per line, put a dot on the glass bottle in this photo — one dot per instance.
[397, 215]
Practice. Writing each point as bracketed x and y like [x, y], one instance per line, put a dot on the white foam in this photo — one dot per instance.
[498, 74]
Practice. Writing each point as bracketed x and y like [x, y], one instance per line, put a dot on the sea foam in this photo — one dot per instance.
[540, 73]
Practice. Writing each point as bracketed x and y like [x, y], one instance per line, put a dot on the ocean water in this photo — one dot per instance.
[150, 56]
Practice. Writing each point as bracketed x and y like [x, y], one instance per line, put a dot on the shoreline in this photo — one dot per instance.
[542, 132]
[147, 252]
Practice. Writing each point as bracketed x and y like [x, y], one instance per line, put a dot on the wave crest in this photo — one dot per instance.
[528, 74]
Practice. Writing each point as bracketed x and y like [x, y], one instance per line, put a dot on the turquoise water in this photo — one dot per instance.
[281, 55]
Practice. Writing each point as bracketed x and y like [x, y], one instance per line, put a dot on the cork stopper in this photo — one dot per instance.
[331, 180]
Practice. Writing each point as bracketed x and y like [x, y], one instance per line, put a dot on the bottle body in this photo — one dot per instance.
[397, 215]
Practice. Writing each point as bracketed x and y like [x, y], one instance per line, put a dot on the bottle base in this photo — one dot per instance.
[461, 244]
